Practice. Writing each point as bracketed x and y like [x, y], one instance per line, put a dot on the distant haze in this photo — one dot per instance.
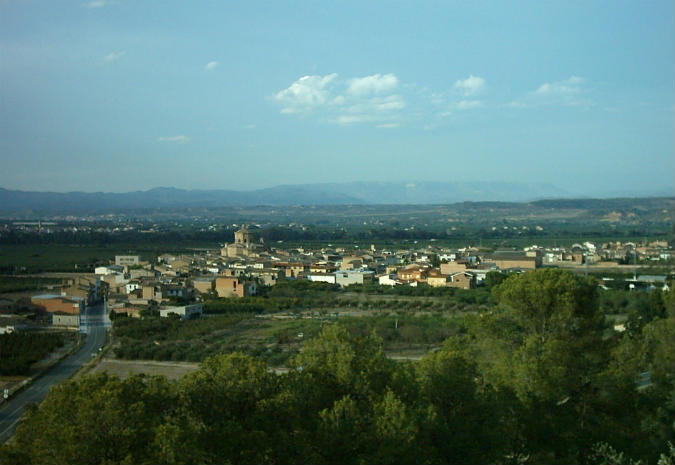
[12, 201]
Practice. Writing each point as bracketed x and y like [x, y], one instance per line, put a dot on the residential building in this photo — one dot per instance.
[351, 263]
[454, 266]
[151, 292]
[388, 280]
[235, 287]
[131, 286]
[412, 272]
[268, 277]
[58, 303]
[462, 280]
[109, 270]
[70, 321]
[143, 273]
[508, 259]
[175, 290]
[347, 278]
[322, 277]
[185, 312]
[127, 260]
[203, 284]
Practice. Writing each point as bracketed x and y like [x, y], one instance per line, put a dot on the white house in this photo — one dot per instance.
[388, 280]
[184, 312]
[110, 269]
[345, 278]
[322, 277]
[131, 286]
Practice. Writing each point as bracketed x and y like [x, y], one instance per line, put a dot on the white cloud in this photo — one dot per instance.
[387, 126]
[211, 65]
[181, 139]
[375, 84]
[470, 86]
[114, 56]
[570, 86]
[95, 4]
[568, 92]
[305, 94]
[368, 99]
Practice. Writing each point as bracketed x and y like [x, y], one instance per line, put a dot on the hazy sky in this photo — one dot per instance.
[124, 95]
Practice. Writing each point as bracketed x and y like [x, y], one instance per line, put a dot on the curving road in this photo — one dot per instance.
[94, 323]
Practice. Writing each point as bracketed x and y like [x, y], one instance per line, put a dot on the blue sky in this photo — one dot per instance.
[127, 95]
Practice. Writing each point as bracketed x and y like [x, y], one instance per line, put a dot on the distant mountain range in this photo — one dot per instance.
[354, 193]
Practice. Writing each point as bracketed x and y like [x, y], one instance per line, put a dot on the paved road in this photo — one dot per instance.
[95, 324]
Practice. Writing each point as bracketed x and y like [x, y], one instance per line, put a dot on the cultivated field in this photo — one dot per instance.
[125, 368]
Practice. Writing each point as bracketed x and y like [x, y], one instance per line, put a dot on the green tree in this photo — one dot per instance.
[545, 343]
[493, 278]
[395, 432]
[95, 420]
[342, 432]
[337, 363]
[461, 419]
[225, 398]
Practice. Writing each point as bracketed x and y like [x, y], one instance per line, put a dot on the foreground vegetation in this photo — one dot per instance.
[407, 324]
[538, 379]
[18, 351]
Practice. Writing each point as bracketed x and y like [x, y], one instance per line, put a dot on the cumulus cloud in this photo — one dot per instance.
[181, 139]
[211, 65]
[366, 99]
[305, 94]
[470, 86]
[374, 84]
[114, 56]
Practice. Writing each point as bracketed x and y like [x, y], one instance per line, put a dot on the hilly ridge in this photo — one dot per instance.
[355, 193]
